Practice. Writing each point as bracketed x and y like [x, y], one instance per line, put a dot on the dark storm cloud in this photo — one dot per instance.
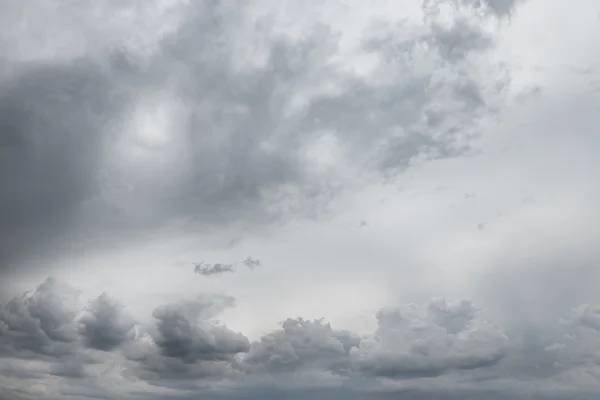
[179, 336]
[105, 325]
[421, 394]
[77, 163]
[184, 344]
[185, 348]
[40, 323]
[53, 120]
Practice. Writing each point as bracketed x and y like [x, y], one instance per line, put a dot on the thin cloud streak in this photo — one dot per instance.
[207, 269]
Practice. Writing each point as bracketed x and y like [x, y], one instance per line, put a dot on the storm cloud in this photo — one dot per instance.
[418, 180]
[200, 131]
[185, 345]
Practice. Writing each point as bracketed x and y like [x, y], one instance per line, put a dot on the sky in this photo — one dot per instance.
[304, 199]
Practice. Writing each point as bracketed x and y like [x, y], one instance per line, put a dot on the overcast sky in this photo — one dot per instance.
[317, 199]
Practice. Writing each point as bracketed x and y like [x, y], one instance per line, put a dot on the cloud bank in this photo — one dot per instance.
[441, 344]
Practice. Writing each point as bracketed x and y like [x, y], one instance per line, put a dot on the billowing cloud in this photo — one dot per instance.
[446, 337]
[301, 345]
[189, 129]
[185, 344]
[105, 324]
[185, 347]
[41, 322]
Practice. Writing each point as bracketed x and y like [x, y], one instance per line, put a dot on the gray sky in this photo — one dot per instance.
[322, 199]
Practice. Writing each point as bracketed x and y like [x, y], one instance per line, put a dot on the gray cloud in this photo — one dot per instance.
[81, 166]
[40, 323]
[251, 262]
[105, 325]
[207, 269]
[495, 8]
[459, 40]
[213, 269]
[185, 347]
[499, 8]
[178, 335]
[410, 343]
[299, 345]
[185, 344]
[131, 120]
[53, 119]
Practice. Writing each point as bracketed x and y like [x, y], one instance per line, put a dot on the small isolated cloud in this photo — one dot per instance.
[206, 269]
[213, 269]
[251, 262]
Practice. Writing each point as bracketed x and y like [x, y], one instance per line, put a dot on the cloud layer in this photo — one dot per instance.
[206, 269]
[456, 134]
[185, 348]
[180, 125]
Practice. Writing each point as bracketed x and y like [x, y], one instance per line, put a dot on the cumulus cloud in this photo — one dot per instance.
[179, 336]
[413, 343]
[41, 322]
[185, 346]
[301, 345]
[105, 325]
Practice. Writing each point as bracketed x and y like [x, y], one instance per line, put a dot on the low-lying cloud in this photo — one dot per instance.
[439, 342]
[213, 269]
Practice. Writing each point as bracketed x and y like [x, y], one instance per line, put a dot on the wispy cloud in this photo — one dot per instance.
[206, 269]
[213, 269]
